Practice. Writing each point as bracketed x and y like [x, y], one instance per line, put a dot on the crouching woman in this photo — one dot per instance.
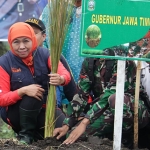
[24, 82]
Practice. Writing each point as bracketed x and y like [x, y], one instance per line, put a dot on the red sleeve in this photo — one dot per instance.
[62, 71]
[7, 97]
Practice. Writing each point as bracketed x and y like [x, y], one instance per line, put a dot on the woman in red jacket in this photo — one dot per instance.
[24, 82]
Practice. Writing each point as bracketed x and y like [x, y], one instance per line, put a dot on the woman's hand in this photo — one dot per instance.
[33, 90]
[77, 132]
[59, 132]
[56, 79]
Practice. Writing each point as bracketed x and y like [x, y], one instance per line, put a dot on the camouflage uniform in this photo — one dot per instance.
[101, 112]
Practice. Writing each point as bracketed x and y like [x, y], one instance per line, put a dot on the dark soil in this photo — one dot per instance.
[93, 143]
[90, 143]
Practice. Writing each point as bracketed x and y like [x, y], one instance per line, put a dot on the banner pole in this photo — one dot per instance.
[137, 89]
[119, 104]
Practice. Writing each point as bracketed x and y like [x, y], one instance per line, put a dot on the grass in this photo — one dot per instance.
[5, 131]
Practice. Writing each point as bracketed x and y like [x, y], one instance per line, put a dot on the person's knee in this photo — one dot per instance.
[3, 114]
[112, 99]
[60, 116]
[30, 103]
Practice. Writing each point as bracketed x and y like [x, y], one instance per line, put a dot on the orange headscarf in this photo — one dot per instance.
[21, 29]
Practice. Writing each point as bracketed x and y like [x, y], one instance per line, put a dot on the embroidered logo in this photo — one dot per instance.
[15, 70]
[91, 5]
[33, 21]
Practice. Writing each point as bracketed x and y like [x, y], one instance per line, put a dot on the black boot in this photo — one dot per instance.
[28, 120]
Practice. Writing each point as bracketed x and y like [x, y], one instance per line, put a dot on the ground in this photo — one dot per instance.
[91, 143]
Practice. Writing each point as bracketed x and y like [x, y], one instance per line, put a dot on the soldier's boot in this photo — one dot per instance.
[28, 120]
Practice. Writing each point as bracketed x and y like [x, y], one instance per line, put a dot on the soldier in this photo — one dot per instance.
[98, 119]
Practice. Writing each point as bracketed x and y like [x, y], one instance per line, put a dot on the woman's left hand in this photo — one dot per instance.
[77, 132]
[56, 79]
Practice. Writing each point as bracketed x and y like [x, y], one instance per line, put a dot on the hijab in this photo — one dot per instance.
[21, 29]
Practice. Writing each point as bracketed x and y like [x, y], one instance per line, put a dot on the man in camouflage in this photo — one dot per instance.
[98, 118]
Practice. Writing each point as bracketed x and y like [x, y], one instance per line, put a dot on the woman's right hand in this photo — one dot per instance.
[59, 132]
[33, 90]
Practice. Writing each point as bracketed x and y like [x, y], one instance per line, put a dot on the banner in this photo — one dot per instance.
[12, 11]
[117, 29]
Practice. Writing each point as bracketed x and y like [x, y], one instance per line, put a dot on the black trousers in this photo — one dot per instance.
[11, 114]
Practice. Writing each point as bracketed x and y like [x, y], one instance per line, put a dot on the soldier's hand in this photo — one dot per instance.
[59, 132]
[77, 132]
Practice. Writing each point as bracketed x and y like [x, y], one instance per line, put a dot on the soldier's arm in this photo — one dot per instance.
[84, 85]
[82, 96]
[99, 107]
[80, 99]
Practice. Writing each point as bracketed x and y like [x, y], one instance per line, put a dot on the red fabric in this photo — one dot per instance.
[7, 97]
[29, 62]
[90, 99]
[82, 76]
[147, 35]
[44, 106]
[21, 29]
[9, 122]
[62, 71]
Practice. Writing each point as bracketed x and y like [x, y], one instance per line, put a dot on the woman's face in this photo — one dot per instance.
[22, 46]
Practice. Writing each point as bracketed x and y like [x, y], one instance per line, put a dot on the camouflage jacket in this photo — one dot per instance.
[100, 89]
